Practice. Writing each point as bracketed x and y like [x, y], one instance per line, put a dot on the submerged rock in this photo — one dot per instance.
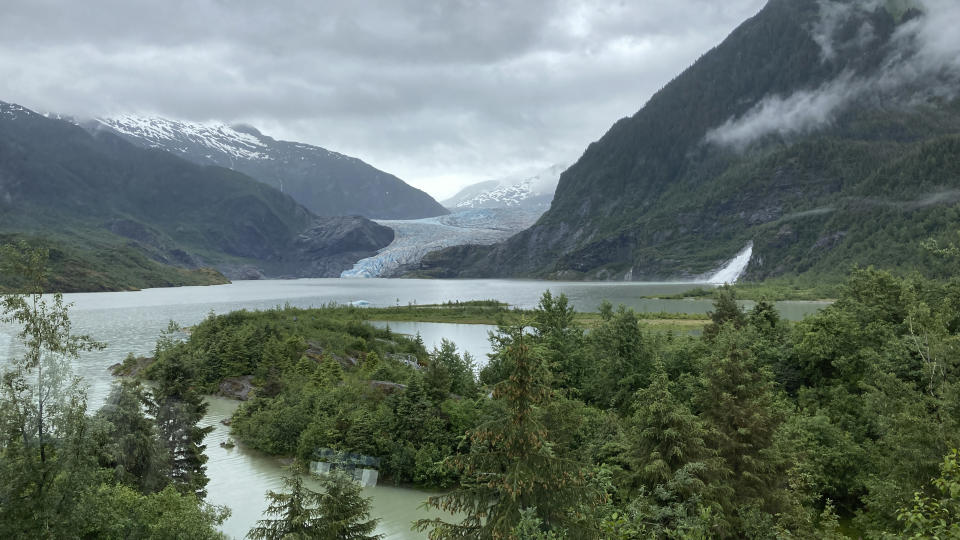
[237, 387]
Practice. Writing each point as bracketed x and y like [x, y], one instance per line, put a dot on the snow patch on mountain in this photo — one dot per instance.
[165, 133]
[13, 110]
[413, 239]
[529, 190]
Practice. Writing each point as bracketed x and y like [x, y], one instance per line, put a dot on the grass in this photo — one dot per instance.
[771, 290]
[493, 312]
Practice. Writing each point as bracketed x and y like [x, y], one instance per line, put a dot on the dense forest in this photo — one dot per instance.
[842, 424]
[845, 424]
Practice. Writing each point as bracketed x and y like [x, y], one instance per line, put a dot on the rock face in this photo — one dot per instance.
[327, 183]
[828, 122]
[238, 388]
[332, 245]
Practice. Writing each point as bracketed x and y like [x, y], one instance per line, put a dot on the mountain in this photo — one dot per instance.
[823, 133]
[119, 216]
[327, 183]
[532, 192]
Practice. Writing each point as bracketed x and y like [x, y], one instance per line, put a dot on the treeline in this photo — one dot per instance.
[132, 469]
[759, 428]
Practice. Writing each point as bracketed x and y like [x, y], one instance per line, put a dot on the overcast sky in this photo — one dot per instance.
[441, 93]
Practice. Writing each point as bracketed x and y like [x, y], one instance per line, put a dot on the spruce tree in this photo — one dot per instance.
[726, 310]
[622, 361]
[339, 512]
[665, 437]
[135, 451]
[739, 406]
[511, 465]
[344, 511]
[177, 408]
[671, 462]
[562, 340]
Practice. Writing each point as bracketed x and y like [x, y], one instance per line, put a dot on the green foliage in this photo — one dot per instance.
[131, 445]
[758, 429]
[622, 357]
[936, 518]
[511, 466]
[726, 311]
[64, 474]
[117, 512]
[339, 512]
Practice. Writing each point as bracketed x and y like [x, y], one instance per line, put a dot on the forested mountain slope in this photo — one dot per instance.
[328, 183]
[825, 133]
[120, 216]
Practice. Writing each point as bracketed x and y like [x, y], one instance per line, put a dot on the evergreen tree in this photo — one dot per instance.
[671, 461]
[459, 368]
[511, 465]
[738, 404]
[340, 512]
[726, 310]
[177, 408]
[622, 358]
[666, 436]
[344, 511]
[135, 451]
[562, 340]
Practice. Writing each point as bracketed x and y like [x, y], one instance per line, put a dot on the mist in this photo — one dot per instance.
[923, 63]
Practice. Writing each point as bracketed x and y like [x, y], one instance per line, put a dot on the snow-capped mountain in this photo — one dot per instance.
[533, 192]
[190, 138]
[328, 183]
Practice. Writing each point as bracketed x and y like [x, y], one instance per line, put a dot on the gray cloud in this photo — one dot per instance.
[439, 93]
[924, 58]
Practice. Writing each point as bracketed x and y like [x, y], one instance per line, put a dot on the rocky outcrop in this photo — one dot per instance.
[332, 245]
[237, 387]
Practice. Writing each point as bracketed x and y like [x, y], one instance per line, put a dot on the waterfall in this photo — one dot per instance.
[733, 269]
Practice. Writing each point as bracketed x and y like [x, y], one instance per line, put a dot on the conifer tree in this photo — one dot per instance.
[666, 436]
[622, 361]
[726, 310]
[339, 512]
[177, 408]
[672, 463]
[511, 465]
[556, 330]
[738, 404]
[135, 451]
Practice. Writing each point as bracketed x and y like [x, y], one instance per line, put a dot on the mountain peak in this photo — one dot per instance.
[530, 190]
[179, 135]
[248, 129]
[326, 182]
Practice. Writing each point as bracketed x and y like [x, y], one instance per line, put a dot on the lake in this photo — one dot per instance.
[130, 322]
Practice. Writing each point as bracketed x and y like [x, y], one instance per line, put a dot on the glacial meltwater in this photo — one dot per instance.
[131, 322]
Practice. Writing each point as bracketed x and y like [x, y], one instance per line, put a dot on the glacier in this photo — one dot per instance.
[413, 239]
